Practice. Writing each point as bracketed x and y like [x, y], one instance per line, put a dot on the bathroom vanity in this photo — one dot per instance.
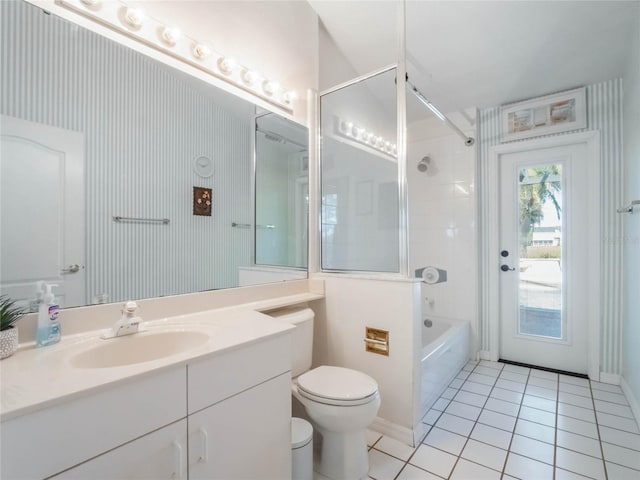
[217, 406]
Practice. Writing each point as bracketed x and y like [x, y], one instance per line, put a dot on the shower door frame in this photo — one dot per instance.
[490, 241]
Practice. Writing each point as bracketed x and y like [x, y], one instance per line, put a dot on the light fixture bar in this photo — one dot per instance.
[468, 141]
[361, 136]
[168, 39]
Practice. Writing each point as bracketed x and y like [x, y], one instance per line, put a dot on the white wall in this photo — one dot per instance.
[631, 239]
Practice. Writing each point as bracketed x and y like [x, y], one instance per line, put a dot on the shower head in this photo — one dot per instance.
[423, 165]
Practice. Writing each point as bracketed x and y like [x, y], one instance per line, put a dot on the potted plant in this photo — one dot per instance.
[10, 313]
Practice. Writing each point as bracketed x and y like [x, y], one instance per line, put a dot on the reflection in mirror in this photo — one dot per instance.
[121, 177]
[360, 210]
[282, 192]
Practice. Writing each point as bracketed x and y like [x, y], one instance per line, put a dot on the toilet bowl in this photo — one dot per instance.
[340, 403]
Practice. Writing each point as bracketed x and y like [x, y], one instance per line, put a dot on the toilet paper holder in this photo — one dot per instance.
[431, 275]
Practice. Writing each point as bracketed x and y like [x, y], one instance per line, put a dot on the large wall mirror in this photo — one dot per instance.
[122, 178]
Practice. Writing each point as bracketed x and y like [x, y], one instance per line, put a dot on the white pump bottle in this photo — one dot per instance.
[48, 331]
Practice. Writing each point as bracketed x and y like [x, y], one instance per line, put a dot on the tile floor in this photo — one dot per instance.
[498, 421]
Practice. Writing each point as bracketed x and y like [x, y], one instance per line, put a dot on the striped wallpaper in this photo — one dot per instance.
[604, 110]
[143, 127]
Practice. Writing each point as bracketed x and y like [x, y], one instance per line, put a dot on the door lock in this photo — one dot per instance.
[506, 268]
[71, 269]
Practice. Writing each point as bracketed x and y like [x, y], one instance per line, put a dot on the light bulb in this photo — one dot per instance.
[349, 128]
[227, 65]
[201, 51]
[249, 77]
[171, 35]
[289, 97]
[90, 3]
[270, 87]
[134, 17]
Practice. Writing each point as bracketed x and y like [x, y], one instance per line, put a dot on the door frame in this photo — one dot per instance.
[490, 205]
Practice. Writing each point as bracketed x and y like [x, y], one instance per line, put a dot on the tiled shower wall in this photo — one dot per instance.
[604, 110]
[138, 158]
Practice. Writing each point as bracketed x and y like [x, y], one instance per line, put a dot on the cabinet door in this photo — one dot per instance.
[245, 437]
[158, 455]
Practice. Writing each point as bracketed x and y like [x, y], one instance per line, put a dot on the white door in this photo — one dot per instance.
[41, 210]
[544, 257]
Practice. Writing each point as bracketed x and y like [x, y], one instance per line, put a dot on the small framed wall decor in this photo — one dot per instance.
[559, 112]
[202, 201]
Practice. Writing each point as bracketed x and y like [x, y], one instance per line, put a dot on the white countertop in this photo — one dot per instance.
[36, 378]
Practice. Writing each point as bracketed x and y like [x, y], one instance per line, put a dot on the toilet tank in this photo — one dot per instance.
[301, 336]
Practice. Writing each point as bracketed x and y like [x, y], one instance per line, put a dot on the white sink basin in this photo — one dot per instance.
[138, 348]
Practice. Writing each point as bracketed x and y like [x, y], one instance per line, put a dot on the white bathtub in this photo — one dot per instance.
[445, 350]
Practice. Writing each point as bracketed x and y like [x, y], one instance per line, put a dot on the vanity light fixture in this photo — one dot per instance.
[134, 23]
[171, 35]
[364, 137]
[134, 17]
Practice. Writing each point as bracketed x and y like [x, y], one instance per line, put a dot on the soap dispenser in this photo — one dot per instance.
[48, 331]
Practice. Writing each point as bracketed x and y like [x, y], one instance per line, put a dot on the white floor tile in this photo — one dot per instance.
[543, 382]
[566, 475]
[372, 437]
[383, 466]
[471, 364]
[539, 403]
[463, 375]
[516, 369]
[474, 387]
[613, 408]
[621, 456]
[414, 473]
[484, 454]
[471, 471]
[449, 393]
[607, 387]
[621, 423]
[580, 427]
[583, 382]
[470, 398]
[494, 365]
[433, 460]
[578, 443]
[527, 469]
[535, 430]
[528, 447]
[538, 416]
[498, 420]
[579, 463]
[463, 410]
[543, 374]
[440, 404]
[575, 389]
[431, 417]
[618, 437]
[586, 414]
[454, 424]
[578, 400]
[395, 448]
[491, 435]
[618, 472]
[491, 372]
[509, 385]
[445, 440]
[610, 397]
[542, 392]
[501, 406]
[506, 395]
[514, 377]
[480, 378]
[456, 383]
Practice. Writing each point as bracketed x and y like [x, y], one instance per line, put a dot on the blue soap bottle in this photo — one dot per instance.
[48, 331]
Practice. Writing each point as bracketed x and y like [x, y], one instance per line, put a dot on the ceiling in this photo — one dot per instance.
[465, 54]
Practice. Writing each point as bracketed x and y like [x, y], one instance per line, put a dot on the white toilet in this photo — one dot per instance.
[341, 403]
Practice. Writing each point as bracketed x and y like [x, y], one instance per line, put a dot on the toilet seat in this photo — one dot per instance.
[337, 386]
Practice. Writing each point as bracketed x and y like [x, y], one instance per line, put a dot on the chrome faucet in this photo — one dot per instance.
[128, 323]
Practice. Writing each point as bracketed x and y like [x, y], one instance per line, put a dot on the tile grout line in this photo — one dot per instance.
[595, 412]
[555, 431]
[506, 458]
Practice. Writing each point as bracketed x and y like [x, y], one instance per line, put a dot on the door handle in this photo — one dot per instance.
[506, 268]
[74, 268]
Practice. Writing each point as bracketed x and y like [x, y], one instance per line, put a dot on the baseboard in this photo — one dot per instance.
[484, 355]
[390, 429]
[631, 398]
[611, 378]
